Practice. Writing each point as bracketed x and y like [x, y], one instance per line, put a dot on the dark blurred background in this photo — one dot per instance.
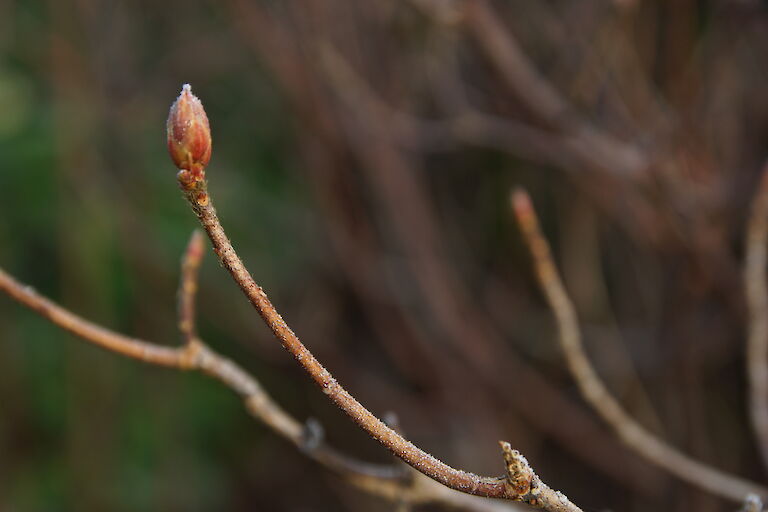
[363, 157]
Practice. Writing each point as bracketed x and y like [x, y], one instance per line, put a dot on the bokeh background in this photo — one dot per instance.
[363, 157]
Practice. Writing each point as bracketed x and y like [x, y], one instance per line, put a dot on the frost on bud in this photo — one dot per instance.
[189, 135]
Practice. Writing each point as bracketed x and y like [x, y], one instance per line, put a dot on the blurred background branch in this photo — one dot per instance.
[756, 290]
[637, 437]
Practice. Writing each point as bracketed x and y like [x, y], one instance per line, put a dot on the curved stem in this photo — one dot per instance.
[497, 487]
[124, 345]
[592, 388]
[190, 268]
[414, 456]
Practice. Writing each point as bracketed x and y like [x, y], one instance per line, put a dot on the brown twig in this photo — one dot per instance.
[481, 348]
[757, 303]
[197, 194]
[190, 267]
[194, 355]
[258, 402]
[388, 482]
[432, 467]
[265, 32]
[124, 345]
[592, 388]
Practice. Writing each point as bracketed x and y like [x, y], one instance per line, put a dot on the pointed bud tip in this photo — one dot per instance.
[521, 201]
[187, 94]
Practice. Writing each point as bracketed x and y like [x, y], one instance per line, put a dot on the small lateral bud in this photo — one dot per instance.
[189, 134]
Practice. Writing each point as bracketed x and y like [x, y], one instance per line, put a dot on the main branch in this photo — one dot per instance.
[189, 143]
[420, 460]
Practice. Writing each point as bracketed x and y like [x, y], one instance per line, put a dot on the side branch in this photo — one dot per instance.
[385, 481]
[592, 388]
[190, 267]
[124, 345]
[757, 304]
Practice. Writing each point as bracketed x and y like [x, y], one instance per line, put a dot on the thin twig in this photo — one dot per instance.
[194, 355]
[757, 303]
[189, 144]
[474, 484]
[592, 388]
[124, 345]
[265, 33]
[481, 347]
[258, 402]
[191, 356]
[463, 481]
[385, 481]
[190, 267]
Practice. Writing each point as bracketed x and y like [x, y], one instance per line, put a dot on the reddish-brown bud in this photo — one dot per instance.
[189, 135]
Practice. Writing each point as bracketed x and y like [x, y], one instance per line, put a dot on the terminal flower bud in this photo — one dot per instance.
[189, 135]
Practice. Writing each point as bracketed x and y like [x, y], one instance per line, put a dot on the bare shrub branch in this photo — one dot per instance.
[592, 388]
[388, 482]
[497, 487]
[190, 267]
